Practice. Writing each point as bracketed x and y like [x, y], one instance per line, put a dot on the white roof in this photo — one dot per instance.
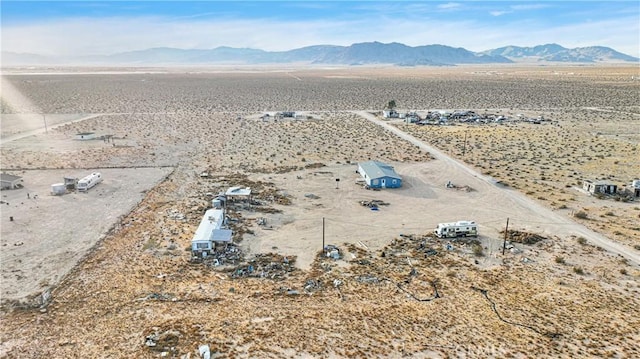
[210, 224]
[238, 191]
[458, 223]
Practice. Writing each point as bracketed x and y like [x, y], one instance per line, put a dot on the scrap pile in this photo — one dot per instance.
[523, 237]
[268, 265]
[374, 203]
[230, 254]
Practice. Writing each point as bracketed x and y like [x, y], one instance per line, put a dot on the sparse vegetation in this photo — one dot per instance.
[581, 215]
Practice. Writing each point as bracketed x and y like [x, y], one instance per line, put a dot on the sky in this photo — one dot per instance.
[71, 28]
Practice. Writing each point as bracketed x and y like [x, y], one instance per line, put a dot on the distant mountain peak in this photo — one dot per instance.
[557, 53]
[375, 52]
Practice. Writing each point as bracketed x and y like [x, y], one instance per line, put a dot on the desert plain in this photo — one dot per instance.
[108, 273]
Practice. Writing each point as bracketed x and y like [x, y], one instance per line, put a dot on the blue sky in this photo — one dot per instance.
[106, 27]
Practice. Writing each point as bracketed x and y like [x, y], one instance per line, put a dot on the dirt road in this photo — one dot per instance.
[554, 222]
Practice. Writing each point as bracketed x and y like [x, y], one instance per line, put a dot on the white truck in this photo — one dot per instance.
[89, 181]
[457, 229]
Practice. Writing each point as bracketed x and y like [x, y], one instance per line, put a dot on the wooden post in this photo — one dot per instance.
[464, 146]
[506, 230]
[323, 235]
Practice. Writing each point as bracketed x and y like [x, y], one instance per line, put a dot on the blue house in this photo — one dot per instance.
[379, 175]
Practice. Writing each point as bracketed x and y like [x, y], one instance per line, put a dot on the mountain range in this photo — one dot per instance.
[366, 53]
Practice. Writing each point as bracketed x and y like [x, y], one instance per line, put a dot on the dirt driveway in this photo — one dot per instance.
[512, 203]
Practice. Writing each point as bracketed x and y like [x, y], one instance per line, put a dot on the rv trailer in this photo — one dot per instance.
[457, 229]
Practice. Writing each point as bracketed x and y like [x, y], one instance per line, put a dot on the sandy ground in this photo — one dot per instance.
[388, 296]
[50, 234]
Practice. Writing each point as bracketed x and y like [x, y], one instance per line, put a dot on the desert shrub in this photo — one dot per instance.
[581, 215]
[578, 270]
[581, 240]
[623, 271]
[637, 247]
[477, 250]
[560, 260]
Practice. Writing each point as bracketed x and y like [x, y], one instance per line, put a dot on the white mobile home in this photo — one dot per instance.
[210, 232]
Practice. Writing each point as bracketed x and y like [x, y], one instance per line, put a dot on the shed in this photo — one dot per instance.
[603, 187]
[379, 175]
[85, 136]
[635, 187]
[390, 114]
[10, 181]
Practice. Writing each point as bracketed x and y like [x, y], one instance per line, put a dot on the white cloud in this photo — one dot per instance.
[529, 6]
[498, 13]
[450, 5]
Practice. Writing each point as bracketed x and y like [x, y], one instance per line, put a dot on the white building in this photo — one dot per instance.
[210, 232]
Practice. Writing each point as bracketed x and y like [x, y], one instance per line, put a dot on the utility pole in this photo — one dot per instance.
[464, 145]
[323, 235]
[506, 230]
[45, 124]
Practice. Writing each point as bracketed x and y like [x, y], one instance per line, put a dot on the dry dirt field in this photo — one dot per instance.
[397, 291]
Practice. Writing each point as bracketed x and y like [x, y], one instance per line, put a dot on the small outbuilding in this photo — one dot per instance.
[379, 175]
[8, 181]
[390, 114]
[635, 187]
[602, 187]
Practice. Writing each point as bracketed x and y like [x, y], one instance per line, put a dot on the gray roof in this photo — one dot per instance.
[600, 183]
[375, 169]
[5, 177]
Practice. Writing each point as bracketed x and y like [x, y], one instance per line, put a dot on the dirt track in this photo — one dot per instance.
[555, 223]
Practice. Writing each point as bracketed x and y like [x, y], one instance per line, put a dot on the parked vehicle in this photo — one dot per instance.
[89, 182]
[457, 229]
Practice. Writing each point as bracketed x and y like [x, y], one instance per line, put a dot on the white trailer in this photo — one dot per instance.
[89, 182]
[457, 229]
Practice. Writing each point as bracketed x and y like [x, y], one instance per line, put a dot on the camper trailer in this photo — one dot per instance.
[89, 182]
[457, 229]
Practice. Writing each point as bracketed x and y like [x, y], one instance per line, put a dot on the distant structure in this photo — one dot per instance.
[85, 136]
[58, 189]
[70, 183]
[379, 175]
[635, 187]
[238, 192]
[8, 181]
[602, 187]
[390, 114]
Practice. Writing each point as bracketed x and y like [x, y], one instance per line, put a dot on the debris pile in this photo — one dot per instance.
[268, 265]
[166, 341]
[523, 237]
[459, 188]
[229, 254]
[374, 203]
